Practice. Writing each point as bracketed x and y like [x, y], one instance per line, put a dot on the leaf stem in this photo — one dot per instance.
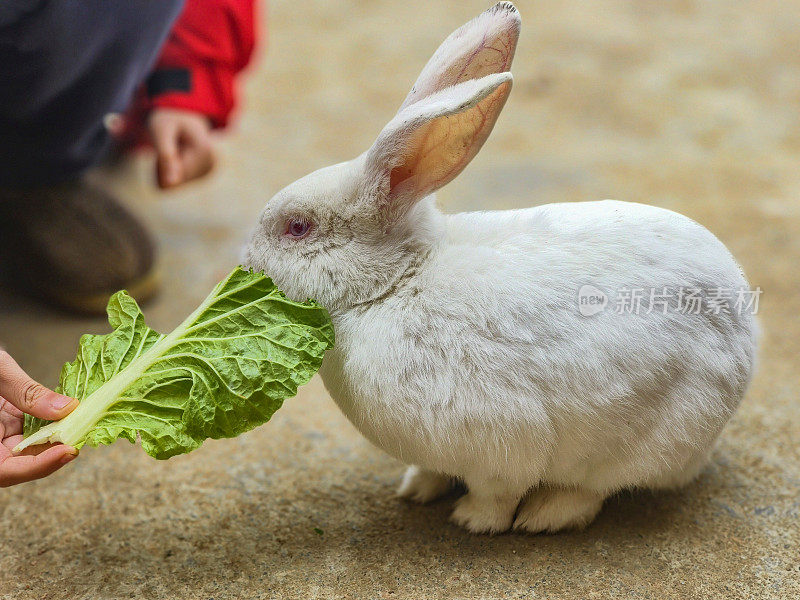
[73, 428]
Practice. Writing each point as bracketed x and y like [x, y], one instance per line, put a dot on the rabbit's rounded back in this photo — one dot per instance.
[481, 360]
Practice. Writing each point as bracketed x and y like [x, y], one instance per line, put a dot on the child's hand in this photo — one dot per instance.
[20, 394]
[183, 144]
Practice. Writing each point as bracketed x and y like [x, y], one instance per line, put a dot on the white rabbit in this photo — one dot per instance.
[460, 346]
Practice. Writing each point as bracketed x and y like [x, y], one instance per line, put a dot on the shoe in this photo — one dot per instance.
[73, 245]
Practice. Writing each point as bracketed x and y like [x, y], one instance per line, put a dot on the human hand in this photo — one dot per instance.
[20, 394]
[183, 144]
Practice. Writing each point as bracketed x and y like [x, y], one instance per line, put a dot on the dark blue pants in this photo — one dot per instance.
[64, 65]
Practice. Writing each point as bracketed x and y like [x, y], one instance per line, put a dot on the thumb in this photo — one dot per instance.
[169, 167]
[29, 396]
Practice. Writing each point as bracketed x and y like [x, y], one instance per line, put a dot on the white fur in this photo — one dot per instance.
[459, 345]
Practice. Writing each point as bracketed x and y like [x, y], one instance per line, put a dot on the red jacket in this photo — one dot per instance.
[211, 41]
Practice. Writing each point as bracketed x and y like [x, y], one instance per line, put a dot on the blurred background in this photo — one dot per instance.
[692, 106]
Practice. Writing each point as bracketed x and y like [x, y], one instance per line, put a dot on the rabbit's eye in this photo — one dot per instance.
[297, 228]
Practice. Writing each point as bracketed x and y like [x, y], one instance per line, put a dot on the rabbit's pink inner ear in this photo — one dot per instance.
[442, 148]
[398, 175]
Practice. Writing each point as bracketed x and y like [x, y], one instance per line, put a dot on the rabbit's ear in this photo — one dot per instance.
[483, 46]
[426, 145]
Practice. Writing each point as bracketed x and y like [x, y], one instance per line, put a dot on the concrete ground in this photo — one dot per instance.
[694, 106]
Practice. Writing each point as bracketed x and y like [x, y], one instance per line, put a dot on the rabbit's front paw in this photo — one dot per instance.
[553, 509]
[421, 485]
[484, 514]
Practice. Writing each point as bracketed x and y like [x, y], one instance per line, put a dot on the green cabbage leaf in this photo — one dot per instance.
[226, 369]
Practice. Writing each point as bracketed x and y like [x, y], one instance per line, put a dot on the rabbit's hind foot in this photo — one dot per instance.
[551, 509]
